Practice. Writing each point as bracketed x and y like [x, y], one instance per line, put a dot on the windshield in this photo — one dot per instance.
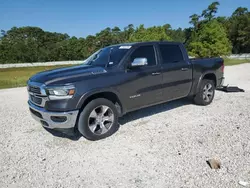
[109, 56]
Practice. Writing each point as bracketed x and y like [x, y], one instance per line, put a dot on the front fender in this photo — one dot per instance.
[85, 96]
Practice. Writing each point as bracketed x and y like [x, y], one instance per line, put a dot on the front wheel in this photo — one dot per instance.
[98, 119]
[205, 93]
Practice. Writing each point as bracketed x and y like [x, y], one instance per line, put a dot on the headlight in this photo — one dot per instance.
[57, 93]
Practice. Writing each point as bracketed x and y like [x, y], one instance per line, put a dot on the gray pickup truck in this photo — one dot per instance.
[118, 79]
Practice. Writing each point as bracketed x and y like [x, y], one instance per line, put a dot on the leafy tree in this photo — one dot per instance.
[209, 41]
[239, 30]
[194, 20]
[177, 35]
[91, 44]
[208, 36]
[210, 12]
[2, 34]
[30, 44]
[222, 19]
[127, 32]
[149, 34]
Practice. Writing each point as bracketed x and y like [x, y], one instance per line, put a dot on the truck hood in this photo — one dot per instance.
[66, 75]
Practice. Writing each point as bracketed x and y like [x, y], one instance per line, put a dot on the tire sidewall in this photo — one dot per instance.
[82, 124]
[199, 98]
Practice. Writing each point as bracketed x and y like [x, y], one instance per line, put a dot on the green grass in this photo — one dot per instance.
[229, 62]
[17, 77]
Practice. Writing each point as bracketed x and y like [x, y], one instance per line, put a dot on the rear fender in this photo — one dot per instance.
[202, 77]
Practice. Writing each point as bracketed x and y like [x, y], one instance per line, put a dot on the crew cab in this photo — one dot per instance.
[119, 79]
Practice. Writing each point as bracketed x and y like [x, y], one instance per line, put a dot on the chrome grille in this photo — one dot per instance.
[36, 100]
[37, 94]
[35, 89]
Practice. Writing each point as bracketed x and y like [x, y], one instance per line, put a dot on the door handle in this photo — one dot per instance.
[184, 69]
[155, 73]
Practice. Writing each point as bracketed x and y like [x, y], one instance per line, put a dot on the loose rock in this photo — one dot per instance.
[243, 183]
[214, 164]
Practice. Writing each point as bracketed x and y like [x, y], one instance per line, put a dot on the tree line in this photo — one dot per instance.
[209, 36]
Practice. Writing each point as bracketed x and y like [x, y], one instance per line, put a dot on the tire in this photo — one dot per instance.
[98, 119]
[203, 90]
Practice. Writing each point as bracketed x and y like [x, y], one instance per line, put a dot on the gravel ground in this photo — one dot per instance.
[162, 146]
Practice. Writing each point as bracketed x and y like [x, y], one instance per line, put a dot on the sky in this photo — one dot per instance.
[86, 17]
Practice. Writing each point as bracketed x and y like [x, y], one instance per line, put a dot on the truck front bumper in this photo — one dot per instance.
[53, 120]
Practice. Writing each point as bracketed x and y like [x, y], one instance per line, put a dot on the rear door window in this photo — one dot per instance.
[171, 53]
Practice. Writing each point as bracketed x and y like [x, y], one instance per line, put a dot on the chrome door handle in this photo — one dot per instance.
[184, 69]
[155, 73]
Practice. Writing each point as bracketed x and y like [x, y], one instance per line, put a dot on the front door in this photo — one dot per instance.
[143, 85]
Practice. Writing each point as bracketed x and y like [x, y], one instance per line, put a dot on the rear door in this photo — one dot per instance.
[177, 72]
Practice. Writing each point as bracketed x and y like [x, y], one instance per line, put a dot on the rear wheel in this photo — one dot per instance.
[206, 93]
[98, 120]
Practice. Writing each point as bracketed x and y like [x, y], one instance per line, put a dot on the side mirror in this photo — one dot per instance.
[138, 62]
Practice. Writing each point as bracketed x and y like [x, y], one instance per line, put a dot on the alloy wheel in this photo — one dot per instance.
[208, 92]
[100, 120]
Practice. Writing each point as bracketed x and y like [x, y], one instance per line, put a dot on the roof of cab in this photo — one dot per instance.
[145, 43]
